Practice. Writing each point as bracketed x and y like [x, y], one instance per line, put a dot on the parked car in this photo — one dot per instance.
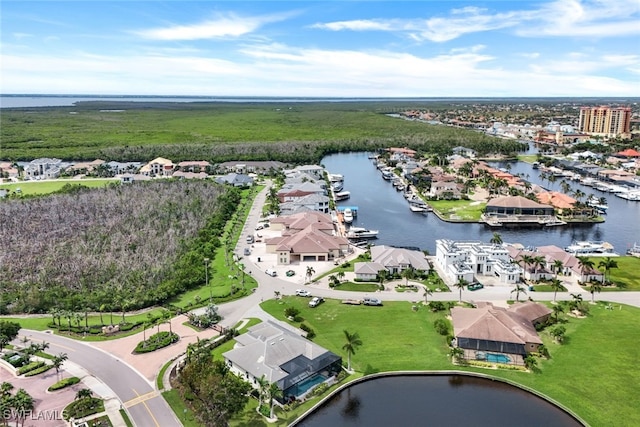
[250, 238]
[475, 286]
[290, 273]
[315, 301]
[247, 251]
[259, 227]
[371, 301]
[271, 272]
[303, 293]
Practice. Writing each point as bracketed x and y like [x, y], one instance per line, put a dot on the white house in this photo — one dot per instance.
[467, 260]
[43, 168]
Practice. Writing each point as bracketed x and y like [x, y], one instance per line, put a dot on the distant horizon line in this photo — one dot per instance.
[84, 95]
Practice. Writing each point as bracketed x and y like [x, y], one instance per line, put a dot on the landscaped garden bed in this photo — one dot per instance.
[156, 342]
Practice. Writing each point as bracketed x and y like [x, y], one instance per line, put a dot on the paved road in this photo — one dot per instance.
[150, 410]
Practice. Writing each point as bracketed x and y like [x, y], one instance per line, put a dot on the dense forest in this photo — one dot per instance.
[292, 133]
[125, 245]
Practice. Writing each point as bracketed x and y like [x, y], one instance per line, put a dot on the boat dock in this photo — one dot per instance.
[354, 210]
[521, 221]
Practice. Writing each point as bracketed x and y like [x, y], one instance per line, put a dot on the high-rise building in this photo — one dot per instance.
[609, 122]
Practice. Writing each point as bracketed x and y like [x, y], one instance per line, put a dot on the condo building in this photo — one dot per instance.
[608, 122]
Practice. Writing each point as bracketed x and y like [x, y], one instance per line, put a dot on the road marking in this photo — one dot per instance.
[140, 398]
[143, 399]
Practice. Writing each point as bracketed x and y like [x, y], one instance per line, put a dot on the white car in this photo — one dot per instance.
[315, 301]
[303, 293]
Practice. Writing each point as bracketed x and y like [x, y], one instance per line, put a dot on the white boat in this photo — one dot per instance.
[590, 248]
[416, 208]
[337, 186]
[361, 233]
[342, 195]
[336, 177]
[348, 216]
[595, 203]
[388, 174]
[629, 195]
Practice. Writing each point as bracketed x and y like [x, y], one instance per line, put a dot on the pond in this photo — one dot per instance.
[437, 400]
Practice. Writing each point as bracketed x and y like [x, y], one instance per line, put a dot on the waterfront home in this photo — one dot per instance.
[43, 168]
[516, 205]
[158, 167]
[306, 236]
[306, 187]
[470, 261]
[556, 199]
[464, 151]
[8, 170]
[313, 202]
[445, 190]
[269, 166]
[509, 331]
[271, 351]
[84, 167]
[194, 166]
[396, 260]
[235, 179]
[403, 152]
[117, 168]
[546, 271]
[315, 171]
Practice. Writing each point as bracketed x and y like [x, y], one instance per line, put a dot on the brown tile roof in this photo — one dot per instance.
[556, 199]
[493, 324]
[530, 310]
[515, 202]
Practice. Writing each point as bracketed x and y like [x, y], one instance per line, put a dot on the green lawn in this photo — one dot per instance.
[529, 158]
[627, 273]
[458, 210]
[357, 287]
[592, 373]
[46, 187]
[185, 415]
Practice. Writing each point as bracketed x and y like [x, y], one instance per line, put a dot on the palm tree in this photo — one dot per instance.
[558, 265]
[383, 275]
[556, 285]
[496, 239]
[353, 342]
[273, 392]
[426, 294]
[83, 393]
[166, 316]
[608, 263]
[526, 261]
[537, 261]
[577, 301]
[333, 280]
[460, 284]
[557, 309]
[68, 315]
[263, 386]
[457, 353]
[518, 289]
[585, 264]
[101, 309]
[594, 287]
[57, 362]
[408, 274]
[310, 272]
[341, 275]
[23, 404]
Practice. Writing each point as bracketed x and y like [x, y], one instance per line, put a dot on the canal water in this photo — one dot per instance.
[382, 208]
[447, 400]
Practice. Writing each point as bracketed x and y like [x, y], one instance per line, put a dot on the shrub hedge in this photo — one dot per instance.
[30, 367]
[156, 341]
[66, 382]
[40, 370]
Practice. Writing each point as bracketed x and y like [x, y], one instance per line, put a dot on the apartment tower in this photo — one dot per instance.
[609, 122]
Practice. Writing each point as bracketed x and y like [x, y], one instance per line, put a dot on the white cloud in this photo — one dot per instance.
[576, 18]
[229, 25]
[281, 70]
[20, 36]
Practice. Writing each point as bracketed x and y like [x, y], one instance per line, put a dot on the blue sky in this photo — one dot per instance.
[329, 49]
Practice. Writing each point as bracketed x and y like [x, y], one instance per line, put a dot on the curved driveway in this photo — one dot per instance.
[146, 407]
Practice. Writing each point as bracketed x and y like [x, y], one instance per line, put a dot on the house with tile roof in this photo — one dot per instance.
[306, 237]
[556, 199]
[235, 179]
[367, 270]
[517, 205]
[396, 260]
[282, 357]
[158, 167]
[495, 329]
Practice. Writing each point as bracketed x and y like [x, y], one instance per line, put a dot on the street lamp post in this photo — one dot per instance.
[206, 275]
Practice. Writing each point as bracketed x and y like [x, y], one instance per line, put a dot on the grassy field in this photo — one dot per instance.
[591, 373]
[183, 131]
[46, 187]
[529, 158]
[357, 287]
[456, 210]
[627, 273]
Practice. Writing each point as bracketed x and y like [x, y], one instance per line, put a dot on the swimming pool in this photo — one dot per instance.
[498, 358]
[303, 386]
